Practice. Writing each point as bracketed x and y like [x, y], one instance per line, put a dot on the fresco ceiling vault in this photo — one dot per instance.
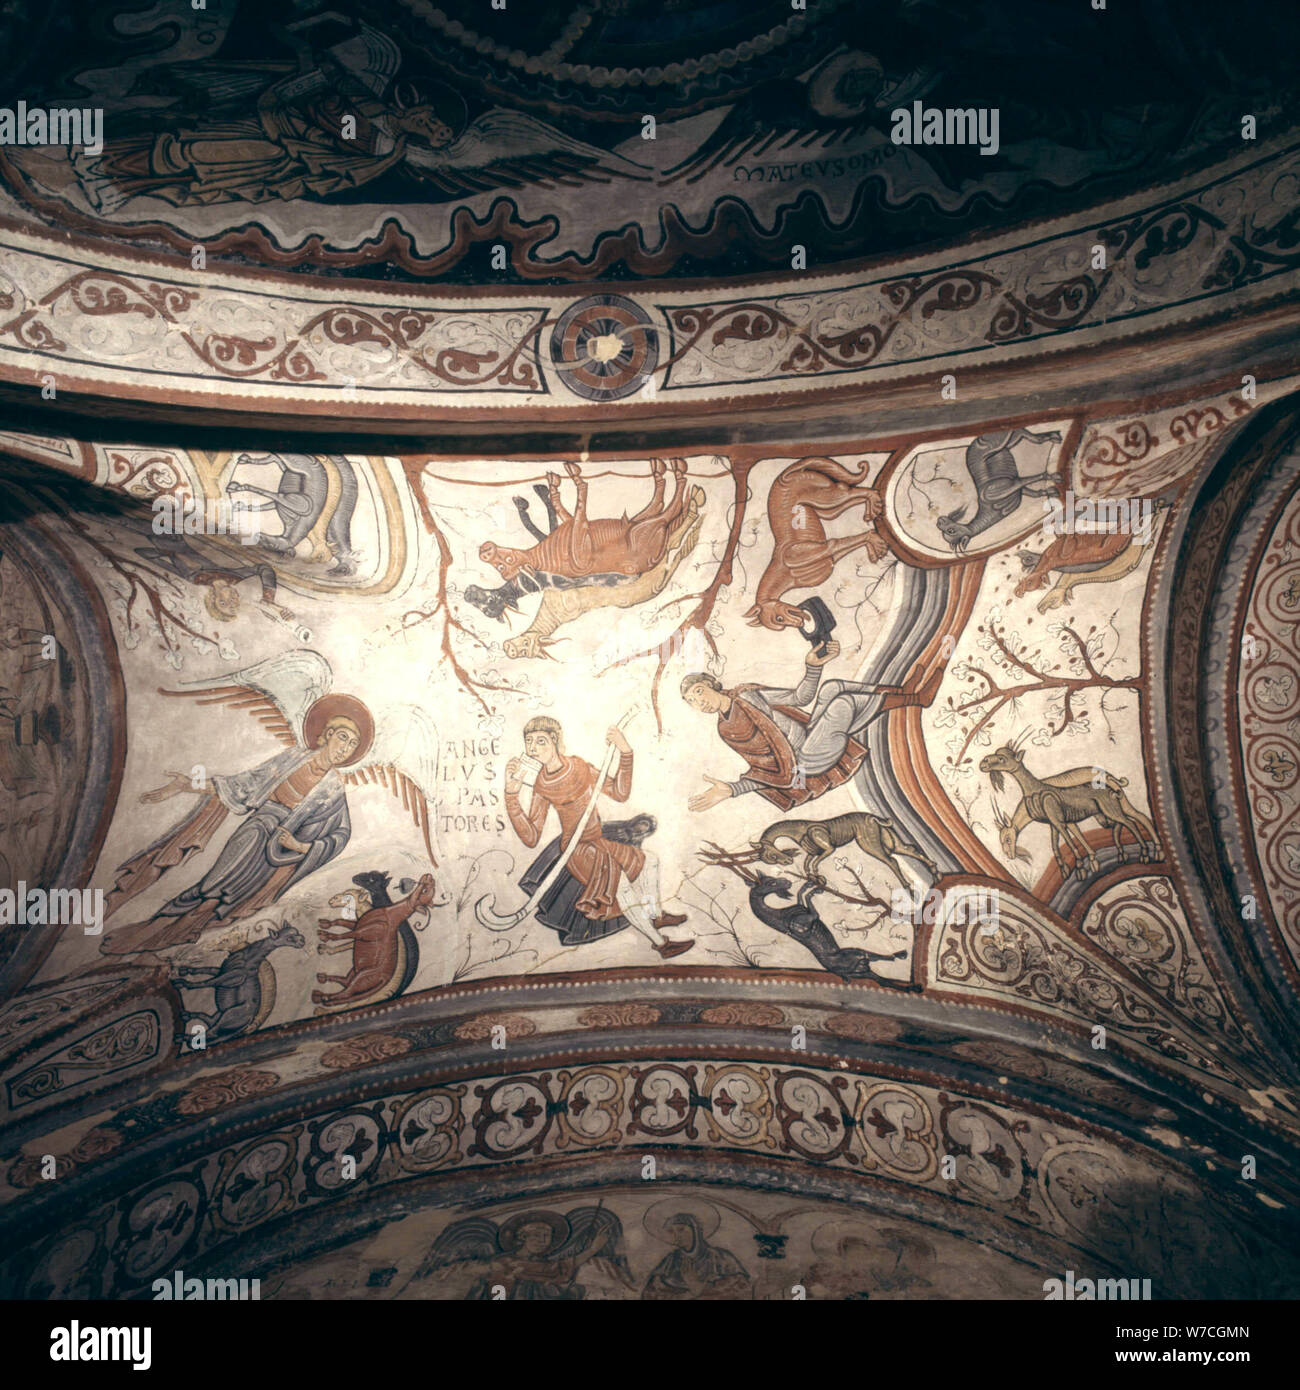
[567, 603]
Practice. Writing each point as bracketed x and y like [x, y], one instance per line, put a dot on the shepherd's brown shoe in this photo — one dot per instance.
[669, 949]
[669, 919]
[923, 695]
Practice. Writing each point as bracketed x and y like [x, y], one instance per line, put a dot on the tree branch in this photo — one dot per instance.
[699, 616]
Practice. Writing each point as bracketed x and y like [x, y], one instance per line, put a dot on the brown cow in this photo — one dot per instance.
[580, 546]
[802, 556]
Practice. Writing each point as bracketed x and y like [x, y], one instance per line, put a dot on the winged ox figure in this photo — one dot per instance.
[342, 117]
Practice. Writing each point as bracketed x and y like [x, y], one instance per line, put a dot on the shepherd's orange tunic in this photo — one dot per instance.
[595, 862]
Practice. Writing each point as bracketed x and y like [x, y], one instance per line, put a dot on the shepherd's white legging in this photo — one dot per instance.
[639, 899]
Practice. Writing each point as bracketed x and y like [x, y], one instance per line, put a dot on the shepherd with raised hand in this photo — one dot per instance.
[593, 880]
[802, 741]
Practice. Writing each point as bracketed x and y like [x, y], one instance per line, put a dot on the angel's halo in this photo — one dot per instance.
[333, 706]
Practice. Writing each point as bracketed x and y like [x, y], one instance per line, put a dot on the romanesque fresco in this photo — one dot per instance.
[683, 1247]
[771, 656]
[808, 688]
[875, 714]
[629, 672]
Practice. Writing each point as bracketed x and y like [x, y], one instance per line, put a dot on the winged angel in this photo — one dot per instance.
[338, 120]
[293, 805]
[535, 1256]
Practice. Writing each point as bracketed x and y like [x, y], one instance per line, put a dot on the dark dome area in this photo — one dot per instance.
[624, 139]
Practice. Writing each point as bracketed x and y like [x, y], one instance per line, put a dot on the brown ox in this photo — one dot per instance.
[580, 546]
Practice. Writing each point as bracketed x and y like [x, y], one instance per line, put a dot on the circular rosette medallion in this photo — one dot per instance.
[604, 347]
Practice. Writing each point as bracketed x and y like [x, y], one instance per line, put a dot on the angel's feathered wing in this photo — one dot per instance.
[510, 149]
[277, 692]
[404, 759]
[370, 57]
[475, 1238]
[777, 115]
[214, 89]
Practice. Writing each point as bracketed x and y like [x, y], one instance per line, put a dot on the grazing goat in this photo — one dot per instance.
[800, 922]
[1085, 558]
[580, 546]
[237, 984]
[1061, 803]
[374, 941]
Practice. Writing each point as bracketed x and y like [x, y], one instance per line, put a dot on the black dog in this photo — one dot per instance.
[801, 923]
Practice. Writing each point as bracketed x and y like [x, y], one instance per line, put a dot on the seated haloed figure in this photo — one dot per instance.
[795, 754]
[608, 883]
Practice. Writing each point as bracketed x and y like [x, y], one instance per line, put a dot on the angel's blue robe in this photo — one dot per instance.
[253, 853]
